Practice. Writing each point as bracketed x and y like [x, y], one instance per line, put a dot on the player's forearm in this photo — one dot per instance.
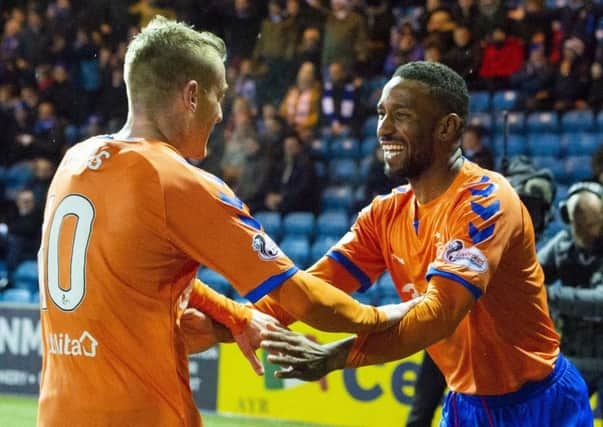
[324, 307]
[233, 315]
[430, 321]
[269, 306]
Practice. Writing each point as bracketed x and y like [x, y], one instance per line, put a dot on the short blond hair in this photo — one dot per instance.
[164, 56]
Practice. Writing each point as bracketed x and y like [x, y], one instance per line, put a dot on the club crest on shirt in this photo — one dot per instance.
[456, 253]
[265, 247]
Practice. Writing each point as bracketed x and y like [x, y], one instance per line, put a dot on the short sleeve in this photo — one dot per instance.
[359, 250]
[211, 224]
[480, 228]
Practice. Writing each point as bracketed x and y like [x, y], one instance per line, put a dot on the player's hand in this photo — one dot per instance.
[201, 332]
[249, 340]
[298, 356]
[395, 312]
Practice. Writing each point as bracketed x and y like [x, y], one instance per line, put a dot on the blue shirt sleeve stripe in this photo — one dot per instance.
[475, 291]
[364, 280]
[270, 284]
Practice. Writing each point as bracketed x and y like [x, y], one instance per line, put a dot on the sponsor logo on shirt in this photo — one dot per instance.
[456, 253]
[63, 345]
[265, 247]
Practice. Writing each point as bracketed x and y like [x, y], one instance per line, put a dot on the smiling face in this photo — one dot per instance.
[407, 121]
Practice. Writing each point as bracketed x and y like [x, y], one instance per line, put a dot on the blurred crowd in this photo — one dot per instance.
[302, 73]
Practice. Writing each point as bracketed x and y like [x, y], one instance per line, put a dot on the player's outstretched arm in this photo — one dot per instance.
[327, 308]
[432, 319]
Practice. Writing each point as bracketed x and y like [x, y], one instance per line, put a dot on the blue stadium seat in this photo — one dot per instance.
[504, 100]
[345, 148]
[321, 246]
[299, 224]
[577, 121]
[544, 144]
[320, 148]
[215, 281]
[15, 178]
[544, 121]
[582, 144]
[599, 120]
[35, 298]
[555, 165]
[560, 194]
[320, 169]
[25, 276]
[22, 296]
[516, 144]
[334, 224]
[298, 249]
[369, 128]
[577, 168]
[515, 122]
[479, 102]
[272, 223]
[369, 143]
[337, 198]
[365, 168]
[343, 171]
[480, 119]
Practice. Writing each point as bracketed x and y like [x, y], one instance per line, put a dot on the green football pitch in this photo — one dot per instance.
[21, 412]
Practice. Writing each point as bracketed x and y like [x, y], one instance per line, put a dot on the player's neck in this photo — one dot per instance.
[436, 180]
[144, 127]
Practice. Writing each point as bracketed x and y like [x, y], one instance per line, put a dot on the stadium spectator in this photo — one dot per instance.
[440, 28]
[472, 144]
[275, 47]
[465, 55]
[301, 106]
[61, 93]
[571, 77]
[309, 48]
[503, 56]
[254, 176]
[377, 182]
[464, 318]
[573, 267]
[344, 35]
[595, 88]
[404, 48]
[380, 20]
[464, 13]
[246, 84]
[20, 235]
[339, 102]
[173, 217]
[533, 81]
[241, 27]
[293, 185]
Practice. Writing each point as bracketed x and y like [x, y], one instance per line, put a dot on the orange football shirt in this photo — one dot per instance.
[127, 224]
[476, 237]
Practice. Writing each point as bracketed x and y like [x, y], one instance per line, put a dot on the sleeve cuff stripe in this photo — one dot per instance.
[270, 284]
[362, 278]
[475, 291]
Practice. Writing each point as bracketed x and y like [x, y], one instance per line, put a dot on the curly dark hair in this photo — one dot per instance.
[446, 86]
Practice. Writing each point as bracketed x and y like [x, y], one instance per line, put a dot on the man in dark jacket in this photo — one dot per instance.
[573, 266]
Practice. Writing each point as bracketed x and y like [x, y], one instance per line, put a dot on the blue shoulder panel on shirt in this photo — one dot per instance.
[232, 201]
[362, 278]
[251, 222]
[477, 235]
[485, 192]
[269, 284]
[474, 290]
[485, 212]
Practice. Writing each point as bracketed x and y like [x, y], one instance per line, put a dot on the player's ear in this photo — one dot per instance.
[191, 95]
[449, 128]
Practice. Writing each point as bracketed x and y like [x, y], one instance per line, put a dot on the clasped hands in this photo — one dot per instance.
[298, 356]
